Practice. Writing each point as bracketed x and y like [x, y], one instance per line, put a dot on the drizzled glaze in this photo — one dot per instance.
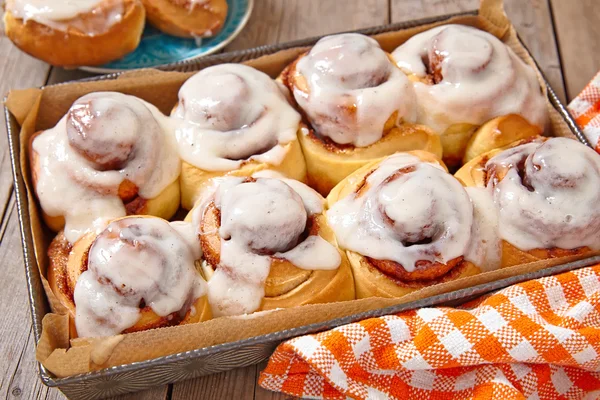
[62, 15]
[137, 260]
[407, 211]
[230, 113]
[353, 89]
[547, 194]
[262, 220]
[468, 76]
[105, 139]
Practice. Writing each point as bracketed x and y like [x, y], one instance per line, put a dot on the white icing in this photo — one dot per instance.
[484, 250]
[112, 126]
[482, 78]
[231, 113]
[133, 260]
[351, 71]
[260, 220]
[558, 206]
[62, 14]
[406, 201]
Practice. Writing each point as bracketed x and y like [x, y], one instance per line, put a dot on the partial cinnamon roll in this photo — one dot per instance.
[137, 273]
[464, 77]
[545, 194]
[266, 244]
[75, 33]
[360, 107]
[187, 18]
[406, 224]
[234, 120]
[111, 155]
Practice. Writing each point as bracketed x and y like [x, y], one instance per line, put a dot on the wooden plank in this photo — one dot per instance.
[275, 21]
[58, 75]
[236, 384]
[17, 363]
[532, 20]
[577, 26]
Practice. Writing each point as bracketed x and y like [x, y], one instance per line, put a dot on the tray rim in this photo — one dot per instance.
[37, 299]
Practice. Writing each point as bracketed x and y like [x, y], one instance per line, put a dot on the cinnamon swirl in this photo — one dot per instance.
[234, 120]
[546, 194]
[75, 33]
[187, 18]
[463, 77]
[266, 245]
[359, 104]
[406, 223]
[111, 155]
[137, 273]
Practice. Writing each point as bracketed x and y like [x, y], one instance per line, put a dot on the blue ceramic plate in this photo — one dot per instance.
[157, 48]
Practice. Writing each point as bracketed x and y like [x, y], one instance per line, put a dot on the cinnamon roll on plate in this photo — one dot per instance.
[187, 18]
[234, 120]
[406, 223]
[360, 107]
[137, 273]
[464, 77]
[111, 155]
[75, 33]
[266, 244]
[545, 193]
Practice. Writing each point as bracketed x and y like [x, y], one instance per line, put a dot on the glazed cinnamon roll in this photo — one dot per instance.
[464, 77]
[266, 245]
[75, 33]
[406, 223]
[546, 194]
[233, 119]
[359, 105]
[111, 155]
[137, 273]
[187, 18]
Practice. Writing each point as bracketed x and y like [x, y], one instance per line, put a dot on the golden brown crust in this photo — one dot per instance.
[328, 162]
[183, 18]
[68, 262]
[193, 179]
[475, 174]
[165, 205]
[286, 284]
[78, 48]
[386, 278]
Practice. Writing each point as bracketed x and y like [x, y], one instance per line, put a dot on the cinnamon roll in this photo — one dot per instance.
[187, 18]
[234, 120]
[137, 273]
[545, 194]
[266, 244]
[111, 155]
[360, 107]
[406, 223]
[75, 33]
[463, 77]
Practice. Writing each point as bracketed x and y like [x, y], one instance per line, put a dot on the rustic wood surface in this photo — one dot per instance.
[563, 35]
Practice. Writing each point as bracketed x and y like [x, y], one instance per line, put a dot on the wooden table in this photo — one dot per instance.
[563, 36]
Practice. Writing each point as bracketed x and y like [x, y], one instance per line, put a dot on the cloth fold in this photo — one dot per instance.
[585, 108]
[535, 340]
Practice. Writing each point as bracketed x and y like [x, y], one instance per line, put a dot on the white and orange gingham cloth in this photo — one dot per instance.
[535, 340]
[585, 108]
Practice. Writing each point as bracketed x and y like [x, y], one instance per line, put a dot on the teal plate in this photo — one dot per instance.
[157, 48]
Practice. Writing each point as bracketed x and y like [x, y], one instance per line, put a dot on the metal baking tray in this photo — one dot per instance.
[190, 364]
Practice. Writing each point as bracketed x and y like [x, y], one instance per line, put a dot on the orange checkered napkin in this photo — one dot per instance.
[585, 108]
[535, 340]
